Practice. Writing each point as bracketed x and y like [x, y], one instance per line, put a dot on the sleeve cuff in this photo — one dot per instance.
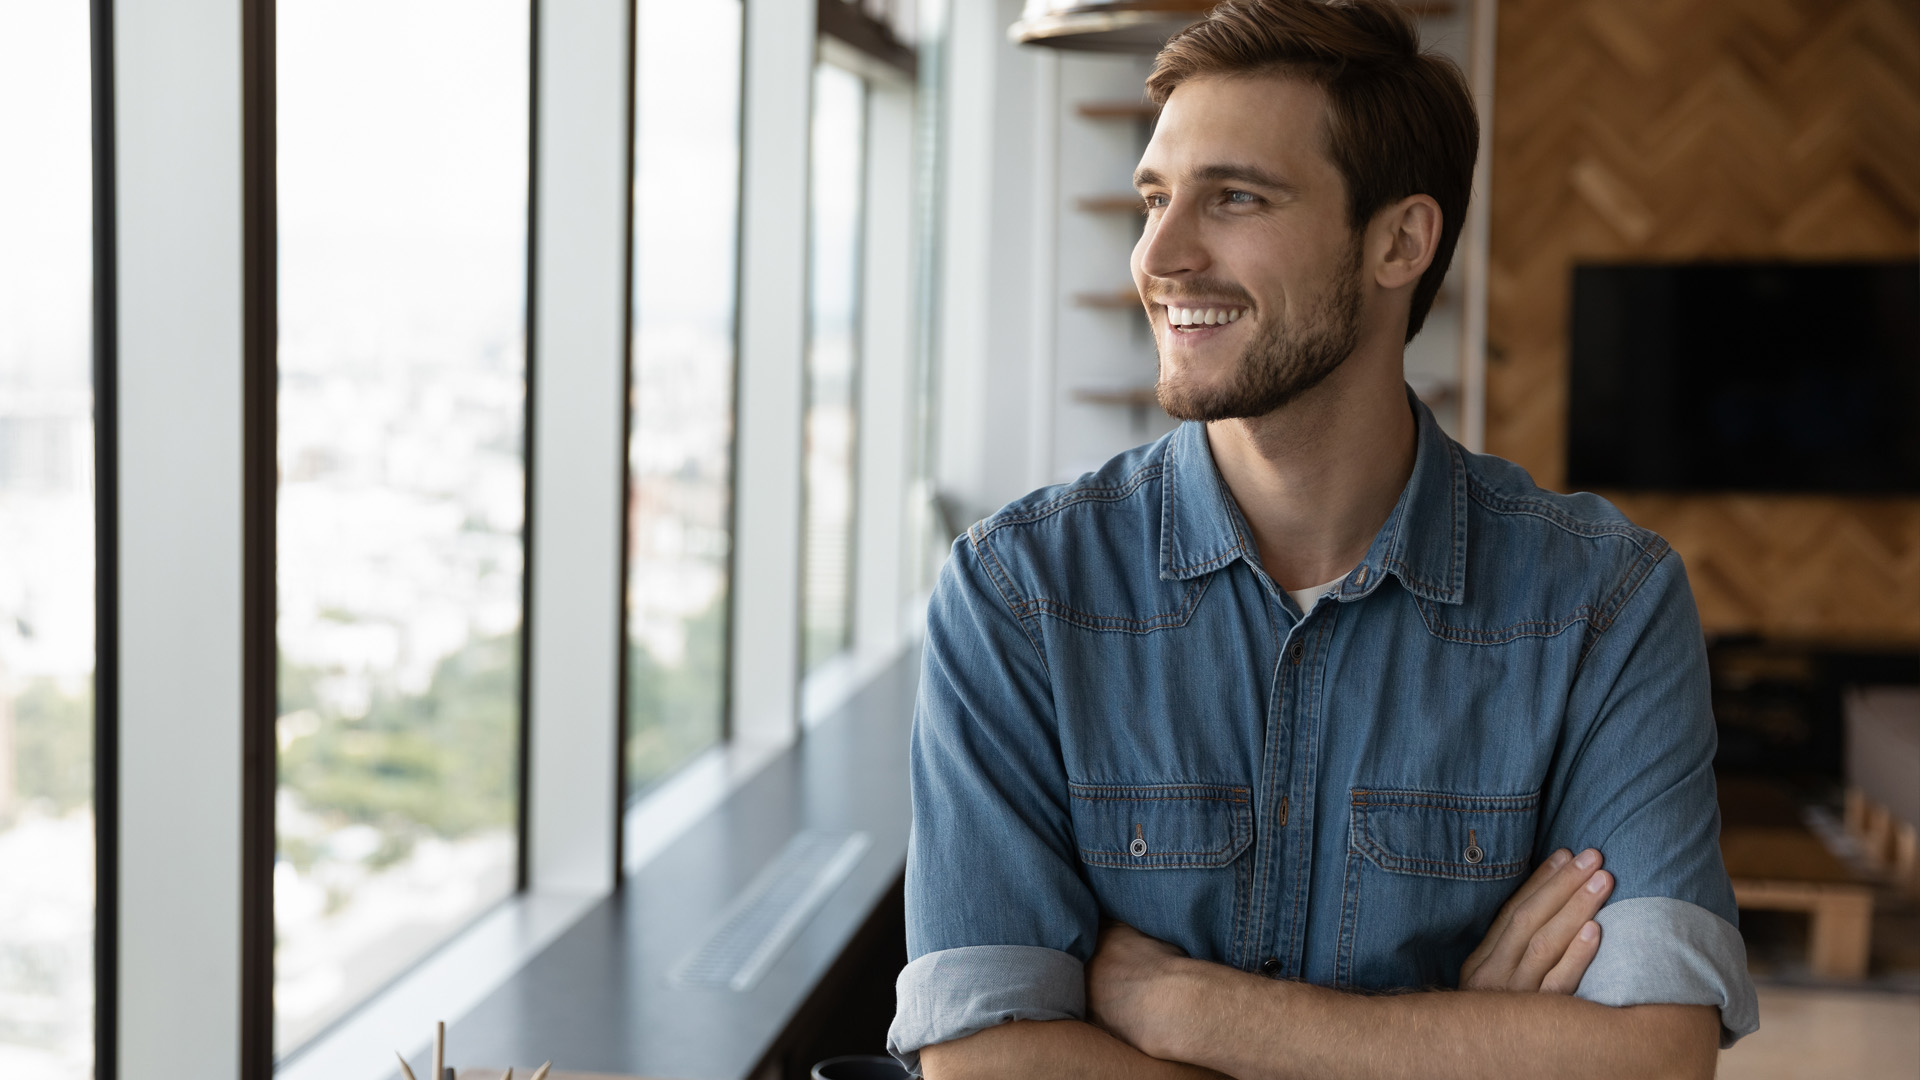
[1655, 950]
[953, 993]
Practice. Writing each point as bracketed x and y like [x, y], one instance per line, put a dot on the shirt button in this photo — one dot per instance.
[1298, 651]
[1270, 967]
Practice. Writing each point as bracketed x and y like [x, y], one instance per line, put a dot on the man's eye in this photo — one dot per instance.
[1242, 198]
[1152, 202]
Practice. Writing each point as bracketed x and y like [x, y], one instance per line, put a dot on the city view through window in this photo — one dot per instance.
[403, 208]
[686, 205]
[833, 356]
[46, 543]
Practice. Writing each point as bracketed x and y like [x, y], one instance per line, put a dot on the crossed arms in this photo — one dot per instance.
[1005, 929]
[1158, 1014]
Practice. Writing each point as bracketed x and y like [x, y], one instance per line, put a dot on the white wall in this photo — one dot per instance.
[1012, 347]
[1099, 349]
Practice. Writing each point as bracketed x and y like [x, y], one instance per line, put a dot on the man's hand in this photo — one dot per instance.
[1132, 987]
[1544, 937]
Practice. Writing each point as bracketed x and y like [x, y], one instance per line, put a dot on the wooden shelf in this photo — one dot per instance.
[1135, 396]
[1109, 204]
[1118, 110]
[1117, 300]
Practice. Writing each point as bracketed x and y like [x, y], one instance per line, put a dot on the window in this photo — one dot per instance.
[832, 362]
[46, 544]
[686, 210]
[402, 231]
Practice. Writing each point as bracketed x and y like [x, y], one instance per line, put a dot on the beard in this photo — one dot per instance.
[1283, 362]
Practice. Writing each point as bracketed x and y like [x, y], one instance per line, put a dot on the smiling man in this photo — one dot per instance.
[1304, 702]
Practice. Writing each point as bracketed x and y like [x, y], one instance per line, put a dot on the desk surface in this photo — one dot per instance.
[598, 998]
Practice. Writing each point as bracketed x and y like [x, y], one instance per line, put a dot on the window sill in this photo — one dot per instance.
[582, 980]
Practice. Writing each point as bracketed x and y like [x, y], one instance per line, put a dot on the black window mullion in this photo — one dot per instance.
[106, 560]
[259, 495]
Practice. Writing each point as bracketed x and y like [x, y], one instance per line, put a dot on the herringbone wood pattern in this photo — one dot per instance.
[1677, 129]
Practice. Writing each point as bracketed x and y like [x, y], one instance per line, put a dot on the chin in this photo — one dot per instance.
[1185, 398]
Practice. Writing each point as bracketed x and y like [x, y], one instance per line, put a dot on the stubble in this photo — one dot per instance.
[1283, 362]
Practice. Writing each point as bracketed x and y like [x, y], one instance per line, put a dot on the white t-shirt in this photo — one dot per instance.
[1306, 598]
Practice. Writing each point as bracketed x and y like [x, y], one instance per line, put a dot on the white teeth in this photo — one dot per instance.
[1203, 316]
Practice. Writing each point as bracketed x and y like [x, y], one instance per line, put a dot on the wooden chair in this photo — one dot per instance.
[1778, 864]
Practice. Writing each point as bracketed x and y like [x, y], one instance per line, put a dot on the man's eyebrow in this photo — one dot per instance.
[1246, 174]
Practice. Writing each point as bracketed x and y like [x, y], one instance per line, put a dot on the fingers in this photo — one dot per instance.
[1566, 975]
[1541, 874]
[1514, 935]
[1549, 944]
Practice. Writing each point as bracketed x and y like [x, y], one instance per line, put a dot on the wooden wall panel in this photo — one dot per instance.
[1678, 129]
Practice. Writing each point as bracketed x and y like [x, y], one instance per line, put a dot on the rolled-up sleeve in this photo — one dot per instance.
[999, 921]
[1659, 950]
[1639, 786]
[953, 993]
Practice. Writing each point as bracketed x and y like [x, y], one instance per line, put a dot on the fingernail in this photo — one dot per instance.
[1559, 858]
[1588, 859]
[1590, 931]
[1597, 882]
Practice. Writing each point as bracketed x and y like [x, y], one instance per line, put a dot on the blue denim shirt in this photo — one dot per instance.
[1123, 716]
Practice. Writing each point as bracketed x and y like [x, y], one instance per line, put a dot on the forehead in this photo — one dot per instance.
[1276, 122]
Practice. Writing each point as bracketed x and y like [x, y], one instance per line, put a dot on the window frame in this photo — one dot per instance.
[185, 308]
[106, 567]
[833, 56]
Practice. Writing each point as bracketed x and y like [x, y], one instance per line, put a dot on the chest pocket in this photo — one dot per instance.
[1166, 859]
[1473, 837]
[1161, 826]
[1426, 873]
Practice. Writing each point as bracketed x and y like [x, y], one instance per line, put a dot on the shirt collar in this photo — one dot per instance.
[1423, 543]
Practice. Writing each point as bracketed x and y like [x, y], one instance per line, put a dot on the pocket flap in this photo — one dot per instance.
[1437, 834]
[1161, 826]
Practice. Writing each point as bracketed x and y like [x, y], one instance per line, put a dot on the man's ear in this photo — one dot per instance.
[1406, 235]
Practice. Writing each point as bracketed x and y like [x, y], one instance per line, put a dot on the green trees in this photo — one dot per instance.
[443, 762]
[674, 711]
[53, 746]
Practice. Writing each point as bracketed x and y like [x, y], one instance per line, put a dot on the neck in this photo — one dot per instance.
[1317, 478]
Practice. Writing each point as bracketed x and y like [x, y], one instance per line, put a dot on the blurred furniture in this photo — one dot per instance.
[1122, 26]
[496, 1074]
[1883, 778]
[1778, 864]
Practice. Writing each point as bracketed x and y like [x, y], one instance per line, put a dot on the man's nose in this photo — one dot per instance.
[1172, 245]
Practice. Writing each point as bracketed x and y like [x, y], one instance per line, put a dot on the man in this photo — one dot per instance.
[1285, 705]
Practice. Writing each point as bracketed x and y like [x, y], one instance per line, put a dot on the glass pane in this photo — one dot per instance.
[402, 170]
[686, 205]
[46, 542]
[833, 351]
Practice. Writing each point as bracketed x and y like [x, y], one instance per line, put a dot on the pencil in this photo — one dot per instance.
[404, 1071]
[439, 1050]
[541, 1072]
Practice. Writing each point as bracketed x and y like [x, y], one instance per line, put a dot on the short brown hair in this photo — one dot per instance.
[1400, 121]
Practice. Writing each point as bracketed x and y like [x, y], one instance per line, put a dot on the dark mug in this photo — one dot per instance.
[859, 1067]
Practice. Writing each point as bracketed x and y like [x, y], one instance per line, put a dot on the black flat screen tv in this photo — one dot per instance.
[1751, 376]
